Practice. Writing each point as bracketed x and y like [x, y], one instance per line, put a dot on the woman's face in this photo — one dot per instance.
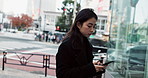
[87, 27]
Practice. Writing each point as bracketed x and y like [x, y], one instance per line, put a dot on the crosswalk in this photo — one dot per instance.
[16, 45]
[4, 46]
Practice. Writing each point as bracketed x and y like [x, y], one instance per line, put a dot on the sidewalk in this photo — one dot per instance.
[14, 73]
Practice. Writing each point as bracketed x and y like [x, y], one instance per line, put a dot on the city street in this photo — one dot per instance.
[32, 30]
[17, 42]
[23, 45]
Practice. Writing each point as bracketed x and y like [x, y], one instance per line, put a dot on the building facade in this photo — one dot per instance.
[45, 14]
[1, 11]
[1, 5]
[36, 8]
[50, 19]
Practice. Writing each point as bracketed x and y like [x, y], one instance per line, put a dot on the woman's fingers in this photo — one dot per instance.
[99, 68]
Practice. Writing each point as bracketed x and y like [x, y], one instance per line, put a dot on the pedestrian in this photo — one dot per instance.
[53, 38]
[40, 37]
[0, 26]
[49, 37]
[46, 37]
[74, 58]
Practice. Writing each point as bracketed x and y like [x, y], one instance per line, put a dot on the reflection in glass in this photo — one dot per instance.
[129, 32]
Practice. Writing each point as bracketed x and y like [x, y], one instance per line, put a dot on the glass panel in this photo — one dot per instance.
[129, 36]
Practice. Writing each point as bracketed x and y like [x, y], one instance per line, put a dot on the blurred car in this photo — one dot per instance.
[97, 42]
[12, 30]
[58, 33]
[130, 61]
[99, 52]
[100, 48]
[101, 43]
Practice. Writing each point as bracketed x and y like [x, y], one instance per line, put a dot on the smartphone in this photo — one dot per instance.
[108, 62]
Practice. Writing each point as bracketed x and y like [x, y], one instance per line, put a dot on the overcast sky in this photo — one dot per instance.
[17, 6]
[20, 6]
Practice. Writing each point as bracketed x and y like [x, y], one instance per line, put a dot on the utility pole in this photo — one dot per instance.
[111, 18]
[39, 18]
[133, 4]
[74, 11]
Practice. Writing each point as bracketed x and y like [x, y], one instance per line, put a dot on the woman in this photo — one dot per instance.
[74, 58]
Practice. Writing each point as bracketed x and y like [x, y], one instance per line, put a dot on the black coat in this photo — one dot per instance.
[74, 63]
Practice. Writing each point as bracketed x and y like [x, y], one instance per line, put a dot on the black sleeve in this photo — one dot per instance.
[64, 68]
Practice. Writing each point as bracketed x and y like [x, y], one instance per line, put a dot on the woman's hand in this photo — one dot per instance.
[98, 66]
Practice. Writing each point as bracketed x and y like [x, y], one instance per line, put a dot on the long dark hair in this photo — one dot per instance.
[74, 34]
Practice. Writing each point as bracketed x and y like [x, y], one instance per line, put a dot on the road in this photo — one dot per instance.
[20, 45]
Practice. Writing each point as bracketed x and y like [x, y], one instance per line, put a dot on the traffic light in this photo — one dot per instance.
[57, 28]
[64, 9]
